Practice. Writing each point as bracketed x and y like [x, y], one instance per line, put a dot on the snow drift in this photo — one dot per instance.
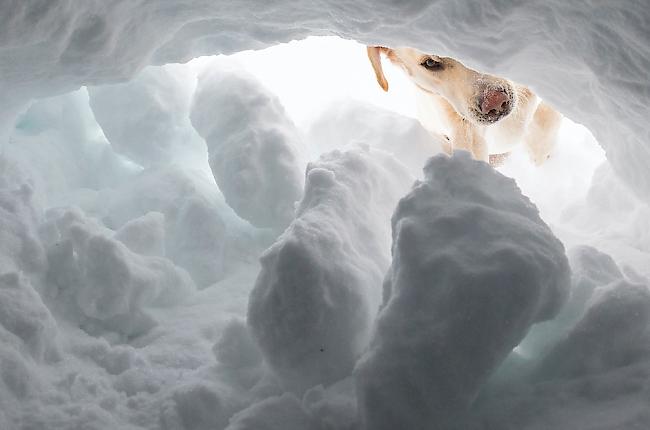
[473, 268]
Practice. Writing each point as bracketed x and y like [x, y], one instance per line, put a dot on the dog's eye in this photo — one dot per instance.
[431, 64]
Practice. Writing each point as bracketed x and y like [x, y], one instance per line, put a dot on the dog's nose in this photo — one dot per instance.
[493, 102]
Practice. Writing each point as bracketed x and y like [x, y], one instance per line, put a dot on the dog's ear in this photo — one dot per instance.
[374, 54]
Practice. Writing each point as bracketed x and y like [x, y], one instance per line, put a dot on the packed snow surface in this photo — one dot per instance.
[474, 266]
[208, 246]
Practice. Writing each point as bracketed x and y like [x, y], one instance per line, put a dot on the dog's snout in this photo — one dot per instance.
[494, 102]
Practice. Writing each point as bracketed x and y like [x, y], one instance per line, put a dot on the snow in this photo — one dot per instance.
[622, 308]
[26, 321]
[313, 304]
[146, 119]
[275, 413]
[99, 279]
[201, 234]
[254, 148]
[137, 197]
[474, 266]
[363, 123]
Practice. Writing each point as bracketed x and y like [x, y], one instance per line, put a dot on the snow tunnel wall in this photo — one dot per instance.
[589, 59]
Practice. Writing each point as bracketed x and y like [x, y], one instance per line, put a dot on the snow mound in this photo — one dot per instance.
[236, 347]
[620, 308]
[20, 248]
[590, 270]
[61, 148]
[25, 318]
[201, 234]
[197, 406]
[589, 367]
[473, 268]
[146, 119]
[104, 284]
[144, 235]
[254, 148]
[275, 413]
[320, 284]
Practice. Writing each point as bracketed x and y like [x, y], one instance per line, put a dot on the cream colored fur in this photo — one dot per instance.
[447, 104]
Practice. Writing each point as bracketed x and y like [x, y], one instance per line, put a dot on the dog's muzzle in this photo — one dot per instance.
[493, 103]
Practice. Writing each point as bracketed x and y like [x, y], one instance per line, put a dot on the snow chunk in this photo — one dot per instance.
[275, 413]
[20, 248]
[197, 406]
[254, 148]
[144, 235]
[473, 268]
[614, 332]
[236, 348]
[101, 281]
[23, 314]
[334, 407]
[59, 144]
[147, 120]
[319, 288]
[590, 270]
[202, 234]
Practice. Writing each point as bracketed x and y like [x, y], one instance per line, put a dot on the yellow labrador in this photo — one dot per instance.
[480, 113]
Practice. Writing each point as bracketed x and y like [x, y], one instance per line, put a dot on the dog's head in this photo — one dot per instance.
[480, 98]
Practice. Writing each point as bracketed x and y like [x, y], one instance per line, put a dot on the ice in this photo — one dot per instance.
[473, 268]
[320, 286]
[254, 148]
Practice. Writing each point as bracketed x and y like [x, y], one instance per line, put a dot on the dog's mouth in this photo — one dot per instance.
[492, 103]
[488, 118]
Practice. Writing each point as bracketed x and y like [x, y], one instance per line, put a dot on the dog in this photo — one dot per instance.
[480, 113]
